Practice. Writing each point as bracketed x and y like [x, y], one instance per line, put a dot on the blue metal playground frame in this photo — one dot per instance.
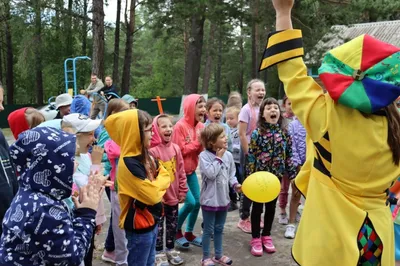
[73, 71]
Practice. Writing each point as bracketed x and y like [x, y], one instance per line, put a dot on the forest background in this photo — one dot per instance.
[156, 47]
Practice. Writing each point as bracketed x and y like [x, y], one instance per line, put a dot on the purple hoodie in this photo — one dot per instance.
[298, 134]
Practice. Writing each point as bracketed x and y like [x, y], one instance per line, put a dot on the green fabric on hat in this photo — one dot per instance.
[386, 71]
[333, 65]
[355, 97]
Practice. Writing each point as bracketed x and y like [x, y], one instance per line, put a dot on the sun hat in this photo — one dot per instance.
[81, 123]
[63, 100]
[362, 74]
[129, 99]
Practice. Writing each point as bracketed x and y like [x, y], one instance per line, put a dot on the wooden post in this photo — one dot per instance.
[159, 104]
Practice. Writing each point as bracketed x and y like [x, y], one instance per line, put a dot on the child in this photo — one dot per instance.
[37, 228]
[217, 170]
[248, 117]
[235, 99]
[168, 155]
[270, 150]
[284, 194]
[298, 135]
[88, 163]
[232, 119]
[215, 108]
[142, 183]
[109, 254]
[186, 136]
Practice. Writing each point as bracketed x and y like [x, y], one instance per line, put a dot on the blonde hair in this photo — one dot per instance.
[235, 99]
[33, 117]
[210, 134]
[234, 110]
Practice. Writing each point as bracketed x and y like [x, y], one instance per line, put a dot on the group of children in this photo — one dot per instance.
[151, 168]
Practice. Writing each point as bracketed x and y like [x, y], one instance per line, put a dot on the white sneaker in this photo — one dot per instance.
[161, 259]
[283, 219]
[290, 231]
[173, 257]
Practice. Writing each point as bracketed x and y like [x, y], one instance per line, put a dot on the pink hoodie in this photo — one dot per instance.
[113, 151]
[188, 127]
[170, 156]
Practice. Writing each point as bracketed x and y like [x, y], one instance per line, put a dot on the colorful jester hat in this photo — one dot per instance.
[362, 74]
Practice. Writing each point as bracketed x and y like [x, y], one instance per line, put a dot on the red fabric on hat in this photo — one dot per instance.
[17, 122]
[336, 84]
[374, 51]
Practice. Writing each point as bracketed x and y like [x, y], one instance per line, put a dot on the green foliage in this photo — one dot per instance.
[159, 41]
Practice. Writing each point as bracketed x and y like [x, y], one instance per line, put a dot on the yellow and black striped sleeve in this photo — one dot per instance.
[282, 46]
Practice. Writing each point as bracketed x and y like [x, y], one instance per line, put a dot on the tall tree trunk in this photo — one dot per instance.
[195, 48]
[254, 39]
[38, 56]
[68, 32]
[241, 60]
[186, 43]
[10, 56]
[98, 38]
[130, 28]
[84, 32]
[116, 44]
[219, 63]
[208, 67]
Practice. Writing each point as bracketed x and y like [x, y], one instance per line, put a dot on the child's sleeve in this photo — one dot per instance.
[253, 154]
[180, 170]
[209, 167]
[179, 138]
[309, 102]
[295, 155]
[289, 165]
[112, 150]
[142, 189]
[232, 172]
[53, 228]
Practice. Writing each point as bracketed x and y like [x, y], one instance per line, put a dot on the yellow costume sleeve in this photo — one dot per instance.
[309, 102]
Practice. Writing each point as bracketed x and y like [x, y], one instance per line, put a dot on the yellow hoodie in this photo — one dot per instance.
[133, 184]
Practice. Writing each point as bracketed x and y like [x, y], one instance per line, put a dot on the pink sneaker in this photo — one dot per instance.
[245, 226]
[256, 247]
[268, 244]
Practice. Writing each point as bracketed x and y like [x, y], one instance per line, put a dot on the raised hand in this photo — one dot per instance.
[220, 152]
[283, 6]
[97, 154]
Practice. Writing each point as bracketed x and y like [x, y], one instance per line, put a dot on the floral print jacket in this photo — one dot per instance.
[270, 150]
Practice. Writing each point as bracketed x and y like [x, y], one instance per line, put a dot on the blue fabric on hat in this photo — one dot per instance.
[37, 227]
[381, 97]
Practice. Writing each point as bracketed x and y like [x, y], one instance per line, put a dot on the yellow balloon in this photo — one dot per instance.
[261, 187]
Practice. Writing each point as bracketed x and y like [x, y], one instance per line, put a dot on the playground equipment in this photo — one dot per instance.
[73, 71]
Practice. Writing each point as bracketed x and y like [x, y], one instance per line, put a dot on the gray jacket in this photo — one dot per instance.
[216, 173]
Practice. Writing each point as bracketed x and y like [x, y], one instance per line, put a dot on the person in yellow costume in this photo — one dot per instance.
[353, 145]
[142, 183]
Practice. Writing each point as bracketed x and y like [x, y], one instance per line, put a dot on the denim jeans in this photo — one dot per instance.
[191, 206]
[142, 248]
[213, 224]
[109, 244]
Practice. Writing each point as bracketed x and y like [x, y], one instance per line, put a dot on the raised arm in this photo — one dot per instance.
[285, 48]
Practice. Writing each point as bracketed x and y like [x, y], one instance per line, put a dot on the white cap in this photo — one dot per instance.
[63, 100]
[81, 123]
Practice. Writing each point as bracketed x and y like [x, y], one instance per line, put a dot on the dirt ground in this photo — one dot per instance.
[236, 245]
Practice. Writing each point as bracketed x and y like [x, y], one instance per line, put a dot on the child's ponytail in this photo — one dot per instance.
[393, 118]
